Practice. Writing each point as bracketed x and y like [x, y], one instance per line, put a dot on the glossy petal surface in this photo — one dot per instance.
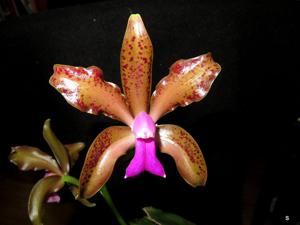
[39, 194]
[143, 126]
[85, 89]
[31, 158]
[137, 163]
[73, 151]
[108, 146]
[188, 157]
[152, 164]
[57, 147]
[145, 159]
[188, 81]
[136, 65]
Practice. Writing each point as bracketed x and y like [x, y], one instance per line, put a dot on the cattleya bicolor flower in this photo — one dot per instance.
[188, 81]
[32, 158]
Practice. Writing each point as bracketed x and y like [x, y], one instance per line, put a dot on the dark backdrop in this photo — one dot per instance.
[246, 126]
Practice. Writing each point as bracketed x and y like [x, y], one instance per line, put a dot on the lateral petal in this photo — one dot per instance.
[136, 65]
[188, 157]
[102, 155]
[31, 158]
[73, 151]
[38, 195]
[85, 89]
[189, 80]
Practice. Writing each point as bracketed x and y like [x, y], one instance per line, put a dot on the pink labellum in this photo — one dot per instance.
[137, 164]
[49, 174]
[53, 198]
[145, 159]
[152, 164]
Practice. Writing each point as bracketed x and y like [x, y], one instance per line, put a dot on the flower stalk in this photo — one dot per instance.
[103, 191]
[70, 180]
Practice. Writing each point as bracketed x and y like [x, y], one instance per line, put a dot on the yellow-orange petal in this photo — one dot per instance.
[102, 155]
[136, 65]
[188, 157]
[85, 89]
[189, 80]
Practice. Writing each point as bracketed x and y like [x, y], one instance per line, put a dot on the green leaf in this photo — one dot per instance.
[57, 147]
[38, 195]
[164, 218]
[31, 158]
[142, 221]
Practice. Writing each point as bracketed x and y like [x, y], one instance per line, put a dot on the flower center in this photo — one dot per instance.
[145, 151]
[143, 126]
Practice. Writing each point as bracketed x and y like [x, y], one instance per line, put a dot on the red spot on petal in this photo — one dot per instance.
[177, 68]
[145, 60]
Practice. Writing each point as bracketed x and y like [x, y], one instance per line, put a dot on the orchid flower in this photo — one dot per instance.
[189, 80]
[32, 158]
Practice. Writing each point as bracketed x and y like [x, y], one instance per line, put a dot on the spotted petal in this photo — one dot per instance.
[85, 89]
[188, 157]
[31, 158]
[188, 81]
[136, 65]
[108, 146]
[39, 194]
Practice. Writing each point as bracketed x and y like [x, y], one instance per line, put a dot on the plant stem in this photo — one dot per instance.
[104, 192]
[70, 180]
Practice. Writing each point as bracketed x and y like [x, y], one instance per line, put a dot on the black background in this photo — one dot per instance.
[246, 127]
